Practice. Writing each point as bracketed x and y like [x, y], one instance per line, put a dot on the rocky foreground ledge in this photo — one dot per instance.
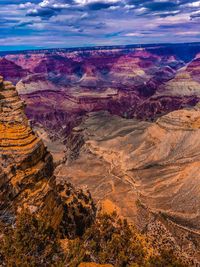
[27, 178]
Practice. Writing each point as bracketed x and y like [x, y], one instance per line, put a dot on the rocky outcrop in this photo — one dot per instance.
[194, 68]
[24, 158]
[40, 81]
[12, 71]
[182, 85]
[27, 178]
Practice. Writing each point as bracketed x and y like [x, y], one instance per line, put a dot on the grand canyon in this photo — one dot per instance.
[104, 128]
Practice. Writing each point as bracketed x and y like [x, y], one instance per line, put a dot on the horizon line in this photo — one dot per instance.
[96, 47]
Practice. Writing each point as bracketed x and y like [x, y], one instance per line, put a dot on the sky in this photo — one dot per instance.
[37, 24]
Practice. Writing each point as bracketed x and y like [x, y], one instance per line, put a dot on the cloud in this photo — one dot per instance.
[162, 8]
[188, 33]
[89, 2]
[195, 15]
[26, 5]
[161, 5]
[193, 4]
[45, 13]
[100, 5]
[53, 4]
[46, 8]
[96, 22]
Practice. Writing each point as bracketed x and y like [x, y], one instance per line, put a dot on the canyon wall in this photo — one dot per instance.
[131, 82]
[27, 178]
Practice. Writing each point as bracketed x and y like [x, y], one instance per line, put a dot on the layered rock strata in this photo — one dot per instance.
[183, 84]
[130, 82]
[12, 71]
[24, 158]
[27, 179]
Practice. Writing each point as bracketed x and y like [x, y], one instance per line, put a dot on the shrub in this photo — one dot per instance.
[30, 243]
[112, 240]
[109, 240]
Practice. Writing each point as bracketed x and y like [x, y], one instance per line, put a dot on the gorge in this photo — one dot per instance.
[123, 123]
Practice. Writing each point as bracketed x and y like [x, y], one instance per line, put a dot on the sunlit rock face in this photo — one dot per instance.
[128, 164]
[155, 156]
[23, 156]
[27, 179]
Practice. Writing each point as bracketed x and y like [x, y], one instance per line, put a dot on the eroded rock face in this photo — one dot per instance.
[141, 83]
[183, 84]
[12, 71]
[194, 68]
[24, 158]
[26, 172]
[130, 164]
[162, 158]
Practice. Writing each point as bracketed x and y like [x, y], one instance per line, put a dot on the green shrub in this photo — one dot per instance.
[112, 240]
[30, 243]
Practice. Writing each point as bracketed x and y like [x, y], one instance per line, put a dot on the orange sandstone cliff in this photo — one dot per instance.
[27, 173]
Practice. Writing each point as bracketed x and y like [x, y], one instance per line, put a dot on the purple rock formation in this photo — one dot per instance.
[60, 86]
